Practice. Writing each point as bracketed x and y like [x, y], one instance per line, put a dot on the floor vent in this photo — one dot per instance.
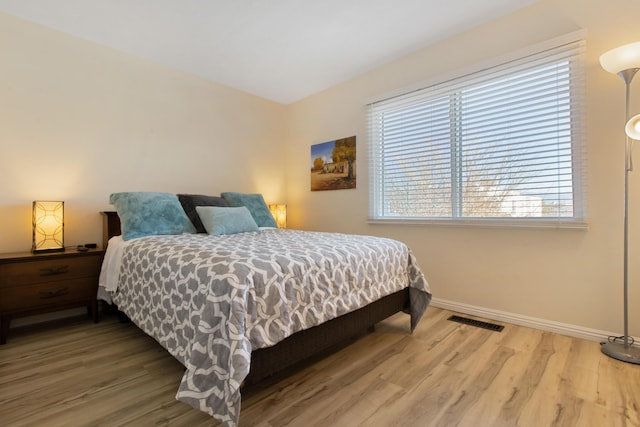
[477, 323]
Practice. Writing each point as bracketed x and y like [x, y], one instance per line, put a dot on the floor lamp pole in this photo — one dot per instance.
[625, 350]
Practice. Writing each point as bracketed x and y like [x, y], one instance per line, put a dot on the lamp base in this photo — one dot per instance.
[626, 353]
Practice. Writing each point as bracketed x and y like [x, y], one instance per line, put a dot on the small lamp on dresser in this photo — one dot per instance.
[279, 213]
[48, 226]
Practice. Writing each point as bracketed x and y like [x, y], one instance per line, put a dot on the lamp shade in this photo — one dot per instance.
[621, 58]
[279, 213]
[633, 127]
[48, 226]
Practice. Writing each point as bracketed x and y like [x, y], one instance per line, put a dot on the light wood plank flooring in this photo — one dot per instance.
[445, 374]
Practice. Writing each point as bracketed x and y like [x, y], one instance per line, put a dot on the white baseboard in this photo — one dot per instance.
[530, 322]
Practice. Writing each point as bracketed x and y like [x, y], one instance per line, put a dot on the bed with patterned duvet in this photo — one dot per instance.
[212, 300]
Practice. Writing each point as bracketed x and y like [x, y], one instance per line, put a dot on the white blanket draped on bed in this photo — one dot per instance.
[210, 300]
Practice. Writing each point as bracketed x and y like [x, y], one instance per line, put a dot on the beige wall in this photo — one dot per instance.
[103, 121]
[79, 121]
[567, 276]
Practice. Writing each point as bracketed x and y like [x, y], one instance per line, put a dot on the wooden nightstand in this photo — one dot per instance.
[38, 283]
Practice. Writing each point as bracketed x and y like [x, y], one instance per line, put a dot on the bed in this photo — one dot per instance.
[231, 310]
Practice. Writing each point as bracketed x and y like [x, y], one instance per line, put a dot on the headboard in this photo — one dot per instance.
[110, 226]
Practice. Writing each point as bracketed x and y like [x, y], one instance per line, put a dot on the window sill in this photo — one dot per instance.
[487, 223]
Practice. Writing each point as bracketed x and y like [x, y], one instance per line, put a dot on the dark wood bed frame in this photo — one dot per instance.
[304, 346]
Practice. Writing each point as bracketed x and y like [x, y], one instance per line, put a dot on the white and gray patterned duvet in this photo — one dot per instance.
[210, 300]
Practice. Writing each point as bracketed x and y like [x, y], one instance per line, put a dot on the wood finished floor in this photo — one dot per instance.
[445, 374]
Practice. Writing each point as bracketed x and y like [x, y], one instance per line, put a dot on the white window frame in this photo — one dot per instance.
[574, 42]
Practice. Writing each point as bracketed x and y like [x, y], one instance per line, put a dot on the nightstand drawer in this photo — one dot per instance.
[48, 293]
[63, 269]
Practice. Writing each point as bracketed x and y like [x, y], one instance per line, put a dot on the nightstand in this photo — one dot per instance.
[37, 283]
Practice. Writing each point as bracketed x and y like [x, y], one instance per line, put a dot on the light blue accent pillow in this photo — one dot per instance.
[146, 213]
[256, 205]
[219, 220]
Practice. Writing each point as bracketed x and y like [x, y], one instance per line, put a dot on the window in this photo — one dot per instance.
[499, 144]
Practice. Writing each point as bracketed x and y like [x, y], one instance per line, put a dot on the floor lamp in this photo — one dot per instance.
[625, 62]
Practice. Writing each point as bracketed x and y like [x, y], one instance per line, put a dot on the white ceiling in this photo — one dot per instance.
[283, 50]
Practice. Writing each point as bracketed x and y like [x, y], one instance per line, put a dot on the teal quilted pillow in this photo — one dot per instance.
[256, 205]
[220, 220]
[149, 214]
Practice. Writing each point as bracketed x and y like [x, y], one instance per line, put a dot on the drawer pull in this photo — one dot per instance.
[54, 293]
[52, 271]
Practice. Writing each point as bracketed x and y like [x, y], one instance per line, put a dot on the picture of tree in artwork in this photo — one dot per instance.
[333, 165]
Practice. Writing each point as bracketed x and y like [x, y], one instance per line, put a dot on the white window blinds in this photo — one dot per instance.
[502, 143]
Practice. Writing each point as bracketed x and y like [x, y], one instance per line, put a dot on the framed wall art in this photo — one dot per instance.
[333, 165]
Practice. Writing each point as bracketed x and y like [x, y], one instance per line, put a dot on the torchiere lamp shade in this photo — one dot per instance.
[633, 128]
[621, 58]
[48, 226]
